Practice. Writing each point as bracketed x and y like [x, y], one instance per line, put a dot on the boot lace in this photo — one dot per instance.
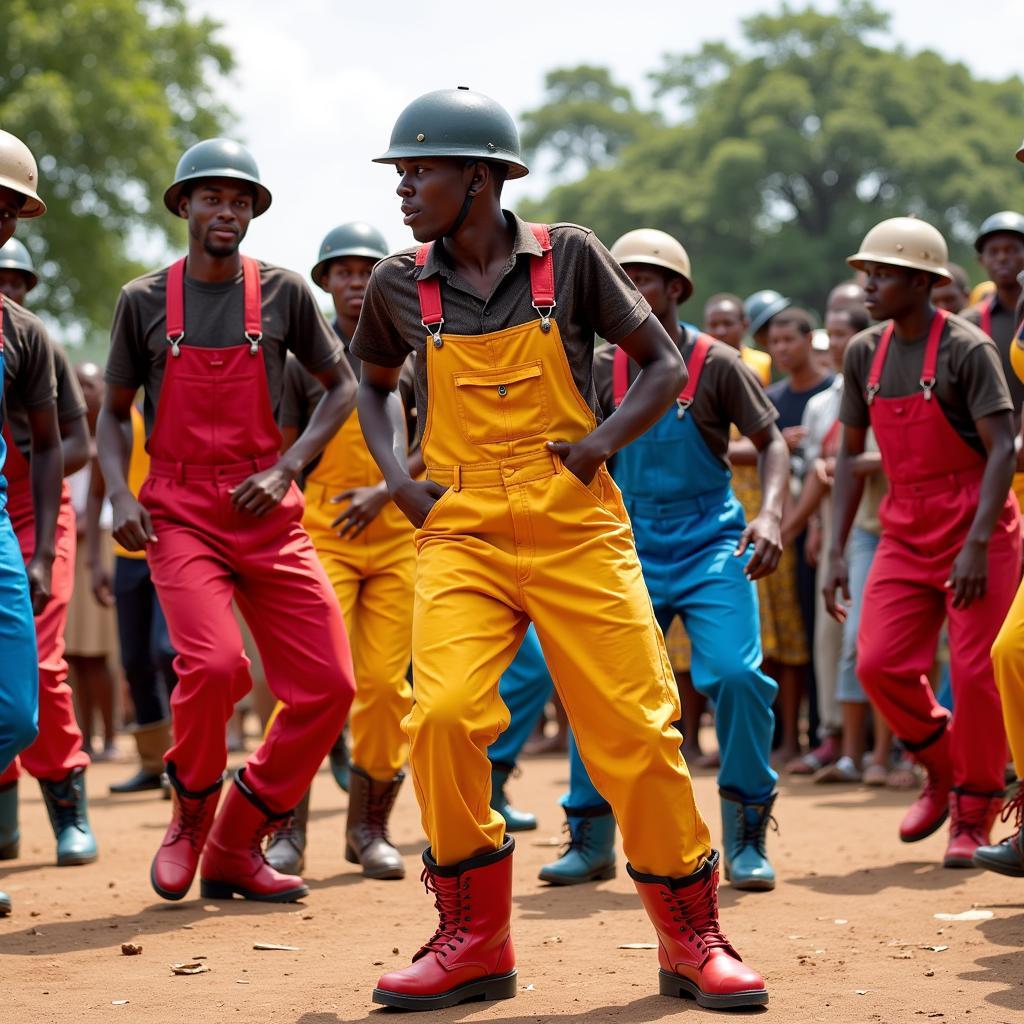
[695, 910]
[755, 830]
[378, 811]
[1014, 809]
[453, 908]
[577, 838]
[64, 806]
[287, 833]
[190, 820]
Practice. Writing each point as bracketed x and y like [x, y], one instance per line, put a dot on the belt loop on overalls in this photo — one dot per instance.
[456, 478]
[542, 277]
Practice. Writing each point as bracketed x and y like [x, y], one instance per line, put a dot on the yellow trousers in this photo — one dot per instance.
[372, 576]
[522, 540]
[1008, 663]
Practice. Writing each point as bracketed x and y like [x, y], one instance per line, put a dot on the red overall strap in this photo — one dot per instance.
[253, 301]
[429, 290]
[620, 372]
[1, 324]
[542, 280]
[931, 357]
[542, 270]
[986, 315]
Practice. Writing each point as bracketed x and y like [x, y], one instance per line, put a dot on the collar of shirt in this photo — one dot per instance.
[524, 243]
[342, 336]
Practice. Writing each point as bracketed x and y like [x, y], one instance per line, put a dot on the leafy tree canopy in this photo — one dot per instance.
[107, 94]
[772, 163]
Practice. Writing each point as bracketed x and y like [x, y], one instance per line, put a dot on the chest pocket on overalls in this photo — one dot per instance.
[505, 404]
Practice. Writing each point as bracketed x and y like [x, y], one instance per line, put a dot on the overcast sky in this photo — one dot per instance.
[319, 83]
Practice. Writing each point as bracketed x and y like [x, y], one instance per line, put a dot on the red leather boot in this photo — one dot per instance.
[233, 861]
[696, 958]
[192, 814]
[971, 819]
[929, 811]
[470, 957]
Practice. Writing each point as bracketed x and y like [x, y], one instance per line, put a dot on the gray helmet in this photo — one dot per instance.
[762, 306]
[357, 238]
[14, 256]
[217, 158]
[1005, 220]
[458, 123]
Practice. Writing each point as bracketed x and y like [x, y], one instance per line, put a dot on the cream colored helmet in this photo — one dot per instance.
[648, 245]
[904, 242]
[19, 173]
[1020, 153]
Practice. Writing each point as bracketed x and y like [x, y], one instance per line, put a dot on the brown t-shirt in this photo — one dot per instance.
[1004, 329]
[969, 377]
[727, 393]
[70, 401]
[214, 318]
[302, 391]
[30, 380]
[593, 297]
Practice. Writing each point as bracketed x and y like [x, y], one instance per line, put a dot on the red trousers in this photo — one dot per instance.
[58, 749]
[905, 604]
[208, 553]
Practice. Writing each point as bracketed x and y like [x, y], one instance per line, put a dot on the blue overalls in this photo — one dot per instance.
[19, 667]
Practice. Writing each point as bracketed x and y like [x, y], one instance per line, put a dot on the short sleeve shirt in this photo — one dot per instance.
[969, 376]
[214, 318]
[1004, 329]
[592, 293]
[30, 380]
[70, 401]
[728, 393]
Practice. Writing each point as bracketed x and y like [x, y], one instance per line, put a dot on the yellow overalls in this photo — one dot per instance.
[372, 576]
[517, 537]
[1008, 650]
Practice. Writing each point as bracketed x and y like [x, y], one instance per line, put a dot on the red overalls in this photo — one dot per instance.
[57, 750]
[214, 428]
[934, 485]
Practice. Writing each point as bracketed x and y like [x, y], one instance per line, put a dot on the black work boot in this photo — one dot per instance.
[286, 851]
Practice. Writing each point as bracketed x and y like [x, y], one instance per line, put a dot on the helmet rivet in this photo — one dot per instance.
[420, 137]
[899, 247]
[491, 146]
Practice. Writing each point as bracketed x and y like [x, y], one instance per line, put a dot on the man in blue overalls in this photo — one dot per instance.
[26, 368]
[690, 535]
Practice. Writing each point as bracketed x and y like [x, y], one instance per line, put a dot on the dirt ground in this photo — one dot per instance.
[845, 936]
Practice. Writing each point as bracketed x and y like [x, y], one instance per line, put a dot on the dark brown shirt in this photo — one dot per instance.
[969, 376]
[70, 401]
[302, 391]
[593, 296]
[30, 380]
[727, 393]
[214, 318]
[1004, 329]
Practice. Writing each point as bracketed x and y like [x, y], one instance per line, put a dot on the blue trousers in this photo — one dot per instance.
[690, 571]
[525, 688]
[19, 665]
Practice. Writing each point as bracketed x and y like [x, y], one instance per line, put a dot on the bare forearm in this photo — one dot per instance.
[866, 464]
[382, 419]
[743, 453]
[846, 494]
[47, 468]
[773, 464]
[113, 451]
[995, 485]
[331, 411]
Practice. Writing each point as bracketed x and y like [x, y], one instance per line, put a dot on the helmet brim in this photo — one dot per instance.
[857, 261]
[772, 309]
[33, 205]
[654, 261]
[263, 199]
[317, 273]
[979, 242]
[33, 277]
[516, 169]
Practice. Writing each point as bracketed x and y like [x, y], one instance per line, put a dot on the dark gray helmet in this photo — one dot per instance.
[762, 306]
[1005, 220]
[458, 123]
[14, 256]
[217, 158]
[356, 238]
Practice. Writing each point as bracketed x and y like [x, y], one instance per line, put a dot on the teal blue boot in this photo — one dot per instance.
[69, 817]
[590, 854]
[515, 821]
[744, 833]
[5, 904]
[10, 836]
[340, 762]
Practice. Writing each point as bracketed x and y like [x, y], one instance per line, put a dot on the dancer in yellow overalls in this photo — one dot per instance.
[519, 520]
[366, 545]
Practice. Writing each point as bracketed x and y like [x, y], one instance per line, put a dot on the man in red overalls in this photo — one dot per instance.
[56, 758]
[931, 387]
[219, 516]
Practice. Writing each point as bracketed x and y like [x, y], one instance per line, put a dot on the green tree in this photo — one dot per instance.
[585, 120]
[106, 93]
[774, 161]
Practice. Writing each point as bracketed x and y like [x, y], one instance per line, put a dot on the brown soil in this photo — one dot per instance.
[842, 938]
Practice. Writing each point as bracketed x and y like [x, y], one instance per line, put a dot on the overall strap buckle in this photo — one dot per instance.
[927, 384]
[870, 391]
[254, 342]
[174, 340]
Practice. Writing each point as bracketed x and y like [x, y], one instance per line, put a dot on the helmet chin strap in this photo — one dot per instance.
[464, 211]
